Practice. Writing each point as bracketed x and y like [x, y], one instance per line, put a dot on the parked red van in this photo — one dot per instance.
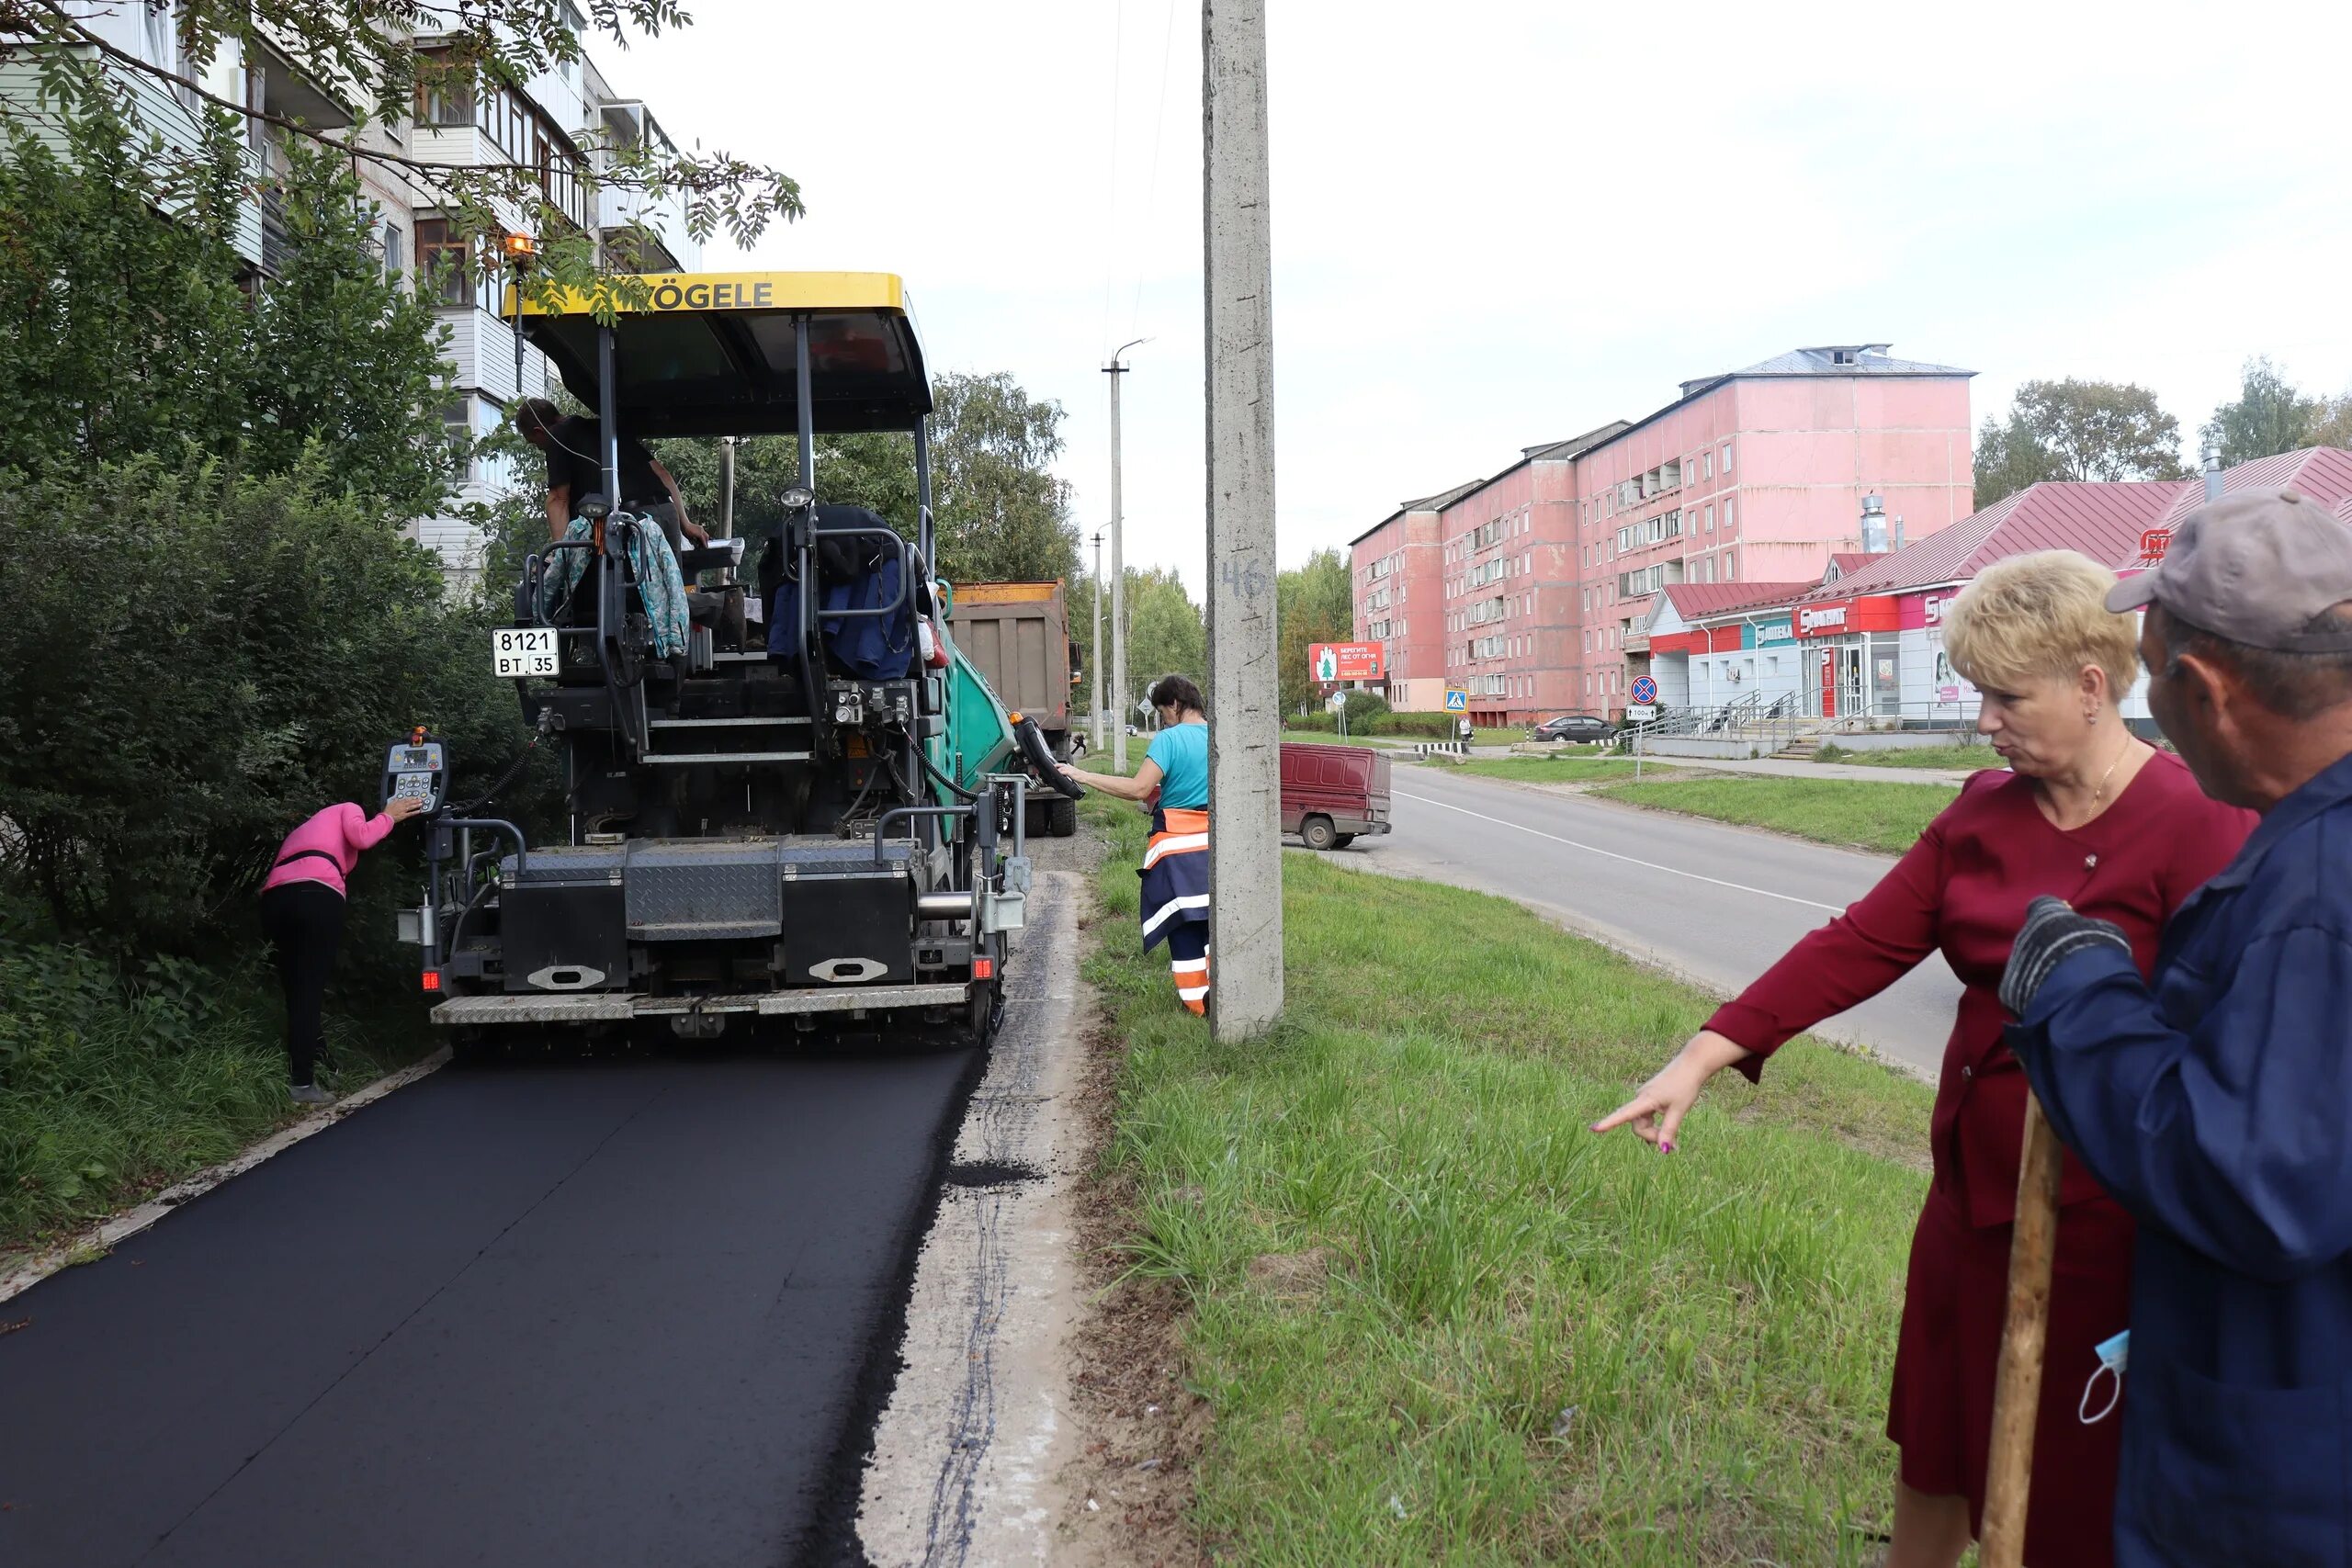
[1332, 793]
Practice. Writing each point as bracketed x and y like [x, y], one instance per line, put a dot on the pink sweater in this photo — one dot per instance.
[341, 831]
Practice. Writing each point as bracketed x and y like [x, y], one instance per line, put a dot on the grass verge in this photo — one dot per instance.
[115, 1084]
[1477, 738]
[1436, 1320]
[1858, 814]
[1559, 770]
[1957, 758]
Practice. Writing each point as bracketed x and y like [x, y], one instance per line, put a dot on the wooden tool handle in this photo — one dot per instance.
[2017, 1395]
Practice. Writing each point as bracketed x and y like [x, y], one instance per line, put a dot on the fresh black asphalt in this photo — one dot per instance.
[636, 1312]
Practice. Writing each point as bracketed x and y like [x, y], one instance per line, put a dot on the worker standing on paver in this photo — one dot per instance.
[301, 913]
[1175, 899]
[2216, 1101]
[2088, 811]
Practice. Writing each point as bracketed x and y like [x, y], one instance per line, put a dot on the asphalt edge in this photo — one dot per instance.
[106, 1235]
[978, 1417]
[831, 1538]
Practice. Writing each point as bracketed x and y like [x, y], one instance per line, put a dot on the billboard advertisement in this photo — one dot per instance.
[1330, 661]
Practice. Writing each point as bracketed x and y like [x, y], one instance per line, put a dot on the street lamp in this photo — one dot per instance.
[519, 251]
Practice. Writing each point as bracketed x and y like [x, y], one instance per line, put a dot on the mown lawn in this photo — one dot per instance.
[1957, 758]
[1437, 1320]
[1559, 770]
[1858, 814]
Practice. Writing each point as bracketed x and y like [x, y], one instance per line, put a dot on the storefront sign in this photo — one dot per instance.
[1916, 611]
[1767, 632]
[1874, 612]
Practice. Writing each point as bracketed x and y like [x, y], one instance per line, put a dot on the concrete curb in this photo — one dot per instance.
[106, 1235]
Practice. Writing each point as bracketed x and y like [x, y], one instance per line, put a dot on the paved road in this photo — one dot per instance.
[1717, 903]
[614, 1313]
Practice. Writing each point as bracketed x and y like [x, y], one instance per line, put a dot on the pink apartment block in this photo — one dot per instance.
[1527, 589]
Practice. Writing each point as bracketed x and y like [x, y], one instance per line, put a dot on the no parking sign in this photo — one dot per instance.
[1644, 691]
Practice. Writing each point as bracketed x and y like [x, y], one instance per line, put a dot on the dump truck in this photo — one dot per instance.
[1017, 634]
[788, 798]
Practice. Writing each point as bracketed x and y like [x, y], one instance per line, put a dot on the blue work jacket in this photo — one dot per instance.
[2217, 1107]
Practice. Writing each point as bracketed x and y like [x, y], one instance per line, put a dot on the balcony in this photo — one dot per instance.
[672, 250]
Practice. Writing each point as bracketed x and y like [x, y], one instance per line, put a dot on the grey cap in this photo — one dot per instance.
[2256, 568]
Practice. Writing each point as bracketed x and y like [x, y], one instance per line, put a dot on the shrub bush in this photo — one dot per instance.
[1430, 725]
[203, 659]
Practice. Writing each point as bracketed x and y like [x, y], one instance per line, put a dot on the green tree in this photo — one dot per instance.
[2268, 416]
[2075, 431]
[124, 335]
[1000, 514]
[217, 622]
[118, 335]
[1314, 603]
[383, 61]
[2333, 424]
[1165, 636]
[345, 356]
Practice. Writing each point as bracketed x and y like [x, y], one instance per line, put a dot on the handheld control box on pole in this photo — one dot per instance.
[416, 769]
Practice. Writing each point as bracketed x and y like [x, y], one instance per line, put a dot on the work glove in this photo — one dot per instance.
[2054, 932]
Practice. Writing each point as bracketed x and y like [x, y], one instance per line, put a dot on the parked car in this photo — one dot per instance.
[1333, 793]
[1579, 727]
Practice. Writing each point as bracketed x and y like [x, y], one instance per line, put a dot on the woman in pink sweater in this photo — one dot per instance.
[301, 911]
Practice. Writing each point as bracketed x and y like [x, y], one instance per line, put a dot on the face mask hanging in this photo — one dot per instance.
[2112, 1354]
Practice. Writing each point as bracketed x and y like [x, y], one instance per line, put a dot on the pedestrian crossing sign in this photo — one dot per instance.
[1456, 700]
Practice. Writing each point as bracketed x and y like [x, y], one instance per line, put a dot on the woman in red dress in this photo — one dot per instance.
[2096, 816]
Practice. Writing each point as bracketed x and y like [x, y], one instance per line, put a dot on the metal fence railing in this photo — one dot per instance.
[1771, 723]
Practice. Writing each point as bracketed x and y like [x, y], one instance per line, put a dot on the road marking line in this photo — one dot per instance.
[1629, 860]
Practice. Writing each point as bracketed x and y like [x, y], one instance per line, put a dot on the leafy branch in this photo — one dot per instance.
[384, 62]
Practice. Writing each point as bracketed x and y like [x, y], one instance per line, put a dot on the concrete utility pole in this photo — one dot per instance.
[1094, 725]
[1245, 741]
[1118, 573]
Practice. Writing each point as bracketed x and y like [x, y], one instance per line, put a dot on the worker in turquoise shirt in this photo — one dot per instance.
[1175, 871]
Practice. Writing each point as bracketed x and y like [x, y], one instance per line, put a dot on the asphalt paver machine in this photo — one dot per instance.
[790, 798]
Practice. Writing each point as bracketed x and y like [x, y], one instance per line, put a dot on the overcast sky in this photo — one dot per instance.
[1497, 224]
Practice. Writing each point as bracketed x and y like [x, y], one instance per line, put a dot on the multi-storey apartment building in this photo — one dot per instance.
[566, 123]
[1549, 568]
[1399, 577]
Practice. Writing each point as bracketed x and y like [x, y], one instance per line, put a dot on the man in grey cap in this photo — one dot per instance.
[2216, 1102]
